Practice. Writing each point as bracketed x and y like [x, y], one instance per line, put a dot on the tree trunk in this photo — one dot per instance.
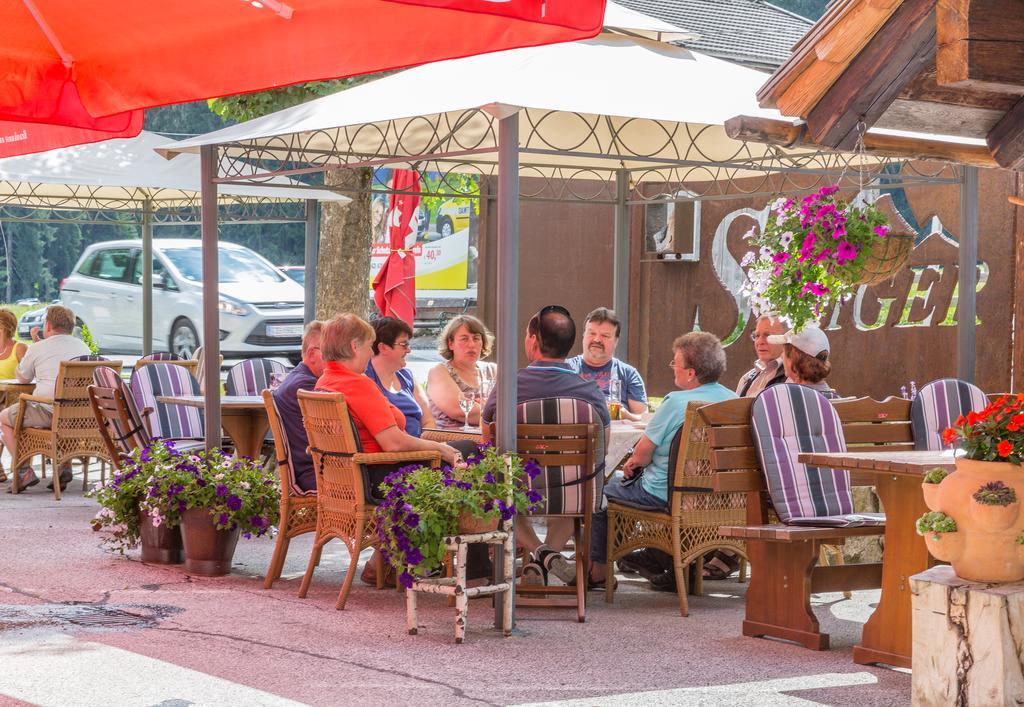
[343, 267]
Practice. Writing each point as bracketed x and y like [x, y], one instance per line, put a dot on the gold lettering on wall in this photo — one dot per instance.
[916, 293]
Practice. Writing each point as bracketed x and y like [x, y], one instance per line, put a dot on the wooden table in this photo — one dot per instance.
[12, 388]
[243, 417]
[896, 476]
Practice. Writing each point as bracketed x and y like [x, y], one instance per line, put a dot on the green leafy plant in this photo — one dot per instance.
[995, 493]
[87, 339]
[936, 475]
[935, 522]
[1020, 539]
[422, 506]
[994, 434]
[809, 255]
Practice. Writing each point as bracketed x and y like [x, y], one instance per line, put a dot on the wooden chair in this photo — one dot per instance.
[73, 433]
[298, 507]
[159, 378]
[190, 365]
[688, 528]
[937, 406]
[565, 437]
[252, 376]
[784, 559]
[342, 509]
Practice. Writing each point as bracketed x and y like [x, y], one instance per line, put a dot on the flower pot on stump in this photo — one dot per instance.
[470, 524]
[208, 551]
[160, 545]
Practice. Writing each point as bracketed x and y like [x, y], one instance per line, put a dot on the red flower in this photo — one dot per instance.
[1012, 427]
[972, 418]
[1005, 448]
[1018, 419]
[949, 435]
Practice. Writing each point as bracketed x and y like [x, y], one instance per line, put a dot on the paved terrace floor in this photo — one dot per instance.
[79, 625]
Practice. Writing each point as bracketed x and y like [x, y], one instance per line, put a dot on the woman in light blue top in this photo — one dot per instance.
[387, 369]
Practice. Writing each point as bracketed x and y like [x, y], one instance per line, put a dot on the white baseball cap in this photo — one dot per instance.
[811, 340]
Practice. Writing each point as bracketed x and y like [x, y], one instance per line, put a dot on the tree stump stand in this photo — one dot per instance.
[965, 642]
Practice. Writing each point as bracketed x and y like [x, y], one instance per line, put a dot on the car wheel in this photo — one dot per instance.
[184, 339]
[445, 227]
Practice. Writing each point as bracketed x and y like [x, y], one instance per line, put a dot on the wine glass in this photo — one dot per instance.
[467, 400]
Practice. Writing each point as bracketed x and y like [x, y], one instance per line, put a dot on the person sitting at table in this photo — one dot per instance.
[387, 369]
[698, 362]
[550, 335]
[463, 343]
[598, 363]
[302, 377]
[41, 362]
[11, 353]
[805, 358]
[768, 369]
[347, 346]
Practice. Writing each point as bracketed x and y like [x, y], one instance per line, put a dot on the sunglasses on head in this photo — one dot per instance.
[553, 308]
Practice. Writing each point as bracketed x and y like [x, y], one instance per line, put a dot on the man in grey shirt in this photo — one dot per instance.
[42, 363]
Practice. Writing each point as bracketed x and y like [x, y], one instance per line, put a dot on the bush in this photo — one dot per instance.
[935, 522]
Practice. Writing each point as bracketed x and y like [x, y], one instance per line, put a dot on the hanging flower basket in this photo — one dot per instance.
[888, 256]
[815, 252]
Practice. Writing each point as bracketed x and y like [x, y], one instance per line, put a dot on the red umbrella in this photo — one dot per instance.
[91, 64]
[394, 288]
[25, 138]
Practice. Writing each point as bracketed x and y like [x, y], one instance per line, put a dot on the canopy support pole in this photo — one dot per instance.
[620, 276]
[968, 277]
[508, 307]
[311, 257]
[147, 277]
[211, 295]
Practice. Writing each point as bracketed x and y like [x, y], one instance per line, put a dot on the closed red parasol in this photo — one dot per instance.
[95, 64]
[394, 287]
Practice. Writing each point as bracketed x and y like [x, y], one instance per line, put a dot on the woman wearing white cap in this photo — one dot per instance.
[805, 358]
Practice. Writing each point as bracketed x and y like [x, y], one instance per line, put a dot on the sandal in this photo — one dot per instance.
[721, 565]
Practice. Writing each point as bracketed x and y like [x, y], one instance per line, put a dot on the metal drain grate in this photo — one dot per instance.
[85, 616]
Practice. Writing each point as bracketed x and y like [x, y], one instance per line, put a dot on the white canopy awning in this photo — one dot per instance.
[123, 173]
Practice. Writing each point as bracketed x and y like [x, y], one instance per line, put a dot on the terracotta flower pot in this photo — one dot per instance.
[931, 496]
[208, 551]
[989, 550]
[160, 545]
[994, 519]
[470, 524]
[945, 546]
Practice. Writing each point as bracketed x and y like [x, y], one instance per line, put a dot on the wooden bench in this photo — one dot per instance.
[784, 558]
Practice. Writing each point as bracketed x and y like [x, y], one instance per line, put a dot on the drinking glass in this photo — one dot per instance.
[275, 379]
[466, 402]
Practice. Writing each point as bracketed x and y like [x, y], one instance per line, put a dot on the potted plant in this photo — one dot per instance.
[218, 497]
[122, 513]
[983, 495]
[423, 505]
[810, 254]
[940, 535]
[930, 486]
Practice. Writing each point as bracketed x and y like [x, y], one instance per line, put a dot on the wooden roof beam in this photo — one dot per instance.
[892, 58]
[980, 45]
[787, 134]
[1006, 139]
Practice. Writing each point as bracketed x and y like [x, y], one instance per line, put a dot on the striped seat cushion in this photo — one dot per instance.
[938, 405]
[563, 486]
[168, 421]
[252, 376]
[90, 357]
[128, 434]
[789, 419]
[162, 356]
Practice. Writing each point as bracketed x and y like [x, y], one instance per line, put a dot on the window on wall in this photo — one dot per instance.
[673, 226]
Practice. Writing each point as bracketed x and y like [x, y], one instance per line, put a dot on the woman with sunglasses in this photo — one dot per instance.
[768, 369]
[388, 370]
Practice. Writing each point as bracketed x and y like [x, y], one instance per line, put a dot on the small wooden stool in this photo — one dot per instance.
[456, 586]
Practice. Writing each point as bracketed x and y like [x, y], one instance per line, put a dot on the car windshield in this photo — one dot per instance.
[297, 274]
[234, 265]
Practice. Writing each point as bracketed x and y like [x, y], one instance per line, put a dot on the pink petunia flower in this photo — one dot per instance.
[815, 289]
[845, 251]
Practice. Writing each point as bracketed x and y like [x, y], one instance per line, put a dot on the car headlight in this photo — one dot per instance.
[229, 307]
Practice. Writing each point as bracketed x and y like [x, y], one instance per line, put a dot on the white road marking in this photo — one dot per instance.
[61, 670]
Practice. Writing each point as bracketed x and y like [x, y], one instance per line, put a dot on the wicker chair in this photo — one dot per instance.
[688, 529]
[298, 507]
[73, 433]
[342, 510]
[436, 434]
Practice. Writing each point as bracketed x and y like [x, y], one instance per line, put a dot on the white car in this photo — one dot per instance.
[261, 309]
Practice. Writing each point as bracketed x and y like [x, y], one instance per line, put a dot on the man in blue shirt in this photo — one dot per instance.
[697, 364]
[286, 397]
[598, 362]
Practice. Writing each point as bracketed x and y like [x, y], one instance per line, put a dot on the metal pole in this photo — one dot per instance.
[508, 305]
[147, 277]
[211, 295]
[311, 257]
[966, 328]
[620, 273]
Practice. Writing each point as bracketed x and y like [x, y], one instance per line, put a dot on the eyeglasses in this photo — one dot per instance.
[404, 344]
[755, 336]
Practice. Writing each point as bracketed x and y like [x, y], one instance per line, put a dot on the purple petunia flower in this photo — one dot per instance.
[234, 502]
[221, 490]
[412, 520]
[507, 510]
[405, 579]
[414, 556]
[222, 519]
[489, 478]
[532, 468]
[257, 521]
[534, 496]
